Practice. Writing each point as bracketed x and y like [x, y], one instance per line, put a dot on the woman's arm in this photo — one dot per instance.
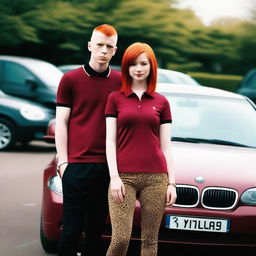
[116, 184]
[166, 147]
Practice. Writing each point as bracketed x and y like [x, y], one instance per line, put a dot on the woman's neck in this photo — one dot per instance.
[139, 88]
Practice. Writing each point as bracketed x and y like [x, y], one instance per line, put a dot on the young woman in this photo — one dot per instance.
[138, 149]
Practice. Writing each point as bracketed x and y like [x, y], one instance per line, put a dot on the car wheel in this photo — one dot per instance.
[50, 246]
[7, 134]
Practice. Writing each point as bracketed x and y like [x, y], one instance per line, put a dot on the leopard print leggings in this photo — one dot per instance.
[150, 189]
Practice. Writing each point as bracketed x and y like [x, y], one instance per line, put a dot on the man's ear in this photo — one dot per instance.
[114, 51]
[89, 46]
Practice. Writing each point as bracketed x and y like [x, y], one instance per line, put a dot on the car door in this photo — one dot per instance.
[17, 80]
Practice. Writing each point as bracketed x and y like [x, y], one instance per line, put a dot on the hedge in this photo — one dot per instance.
[225, 82]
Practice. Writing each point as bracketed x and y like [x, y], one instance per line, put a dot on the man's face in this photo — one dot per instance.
[102, 47]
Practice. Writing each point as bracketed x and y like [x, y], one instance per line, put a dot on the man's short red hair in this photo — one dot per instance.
[131, 53]
[106, 29]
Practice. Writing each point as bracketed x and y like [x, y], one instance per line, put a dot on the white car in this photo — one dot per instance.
[174, 77]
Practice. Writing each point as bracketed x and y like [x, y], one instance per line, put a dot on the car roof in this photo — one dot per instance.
[195, 90]
[70, 66]
[20, 59]
[171, 71]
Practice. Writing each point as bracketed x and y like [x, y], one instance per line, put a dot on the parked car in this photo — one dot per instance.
[69, 67]
[247, 86]
[29, 78]
[214, 149]
[21, 121]
[175, 77]
[164, 75]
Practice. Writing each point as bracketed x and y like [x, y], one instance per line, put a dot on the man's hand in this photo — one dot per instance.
[62, 169]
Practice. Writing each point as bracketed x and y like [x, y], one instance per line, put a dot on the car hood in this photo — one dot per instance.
[219, 165]
[17, 103]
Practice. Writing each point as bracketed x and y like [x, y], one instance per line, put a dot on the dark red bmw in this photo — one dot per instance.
[214, 148]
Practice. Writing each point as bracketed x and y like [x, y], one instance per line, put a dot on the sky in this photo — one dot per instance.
[208, 10]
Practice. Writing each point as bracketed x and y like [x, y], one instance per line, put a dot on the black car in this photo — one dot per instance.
[29, 78]
[21, 121]
[247, 86]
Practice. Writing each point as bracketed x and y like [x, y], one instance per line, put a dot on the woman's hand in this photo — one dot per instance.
[171, 195]
[117, 189]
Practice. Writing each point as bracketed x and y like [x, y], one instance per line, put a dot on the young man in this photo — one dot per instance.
[80, 143]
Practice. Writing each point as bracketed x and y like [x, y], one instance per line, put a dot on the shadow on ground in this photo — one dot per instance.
[32, 147]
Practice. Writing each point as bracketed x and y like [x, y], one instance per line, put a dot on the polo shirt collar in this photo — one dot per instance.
[130, 92]
[91, 72]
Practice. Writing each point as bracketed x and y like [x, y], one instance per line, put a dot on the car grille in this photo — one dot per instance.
[211, 197]
[219, 198]
[187, 196]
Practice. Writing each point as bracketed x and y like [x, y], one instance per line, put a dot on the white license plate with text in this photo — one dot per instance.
[197, 223]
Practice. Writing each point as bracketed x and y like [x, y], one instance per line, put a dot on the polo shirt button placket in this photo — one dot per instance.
[139, 107]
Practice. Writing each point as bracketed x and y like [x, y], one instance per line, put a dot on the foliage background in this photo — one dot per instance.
[58, 31]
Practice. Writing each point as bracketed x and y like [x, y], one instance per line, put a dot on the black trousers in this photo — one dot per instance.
[85, 208]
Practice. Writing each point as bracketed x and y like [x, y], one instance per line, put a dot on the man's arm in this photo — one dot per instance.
[61, 137]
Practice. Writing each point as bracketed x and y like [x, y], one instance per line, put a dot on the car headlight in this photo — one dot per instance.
[32, 113]
[249, 196]
[55, 185]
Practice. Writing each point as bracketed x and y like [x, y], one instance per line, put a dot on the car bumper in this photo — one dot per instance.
[242, 228]
[28, 133]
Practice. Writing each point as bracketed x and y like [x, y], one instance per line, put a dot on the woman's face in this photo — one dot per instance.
[140, 68]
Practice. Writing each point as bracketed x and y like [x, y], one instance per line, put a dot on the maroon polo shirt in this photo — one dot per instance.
[138, 125]
[85, 91]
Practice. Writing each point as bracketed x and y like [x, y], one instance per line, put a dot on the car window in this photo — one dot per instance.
[252, 81]
[214, 119]
[46, 72]
[1, 71]
[170, 76]
[161, 78]
[14, 73]
[188, 80]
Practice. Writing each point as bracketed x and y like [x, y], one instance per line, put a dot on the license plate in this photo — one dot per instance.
[197, 223]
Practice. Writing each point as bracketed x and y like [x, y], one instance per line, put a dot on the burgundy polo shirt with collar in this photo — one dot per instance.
[85, 91]
[138, 126]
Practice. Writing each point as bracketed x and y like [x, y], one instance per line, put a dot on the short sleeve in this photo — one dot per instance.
[111, 108]
[64, 92]
[166, 116]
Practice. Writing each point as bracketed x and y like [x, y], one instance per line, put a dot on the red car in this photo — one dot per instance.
[214, 148]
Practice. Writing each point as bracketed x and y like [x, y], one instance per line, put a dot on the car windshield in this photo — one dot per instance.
[47, 72]
[168, 76]
[206, 119]
[188, 80]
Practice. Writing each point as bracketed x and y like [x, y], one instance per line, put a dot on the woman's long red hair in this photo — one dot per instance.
[131, 53]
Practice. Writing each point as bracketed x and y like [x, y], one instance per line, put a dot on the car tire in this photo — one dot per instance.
[7, 134]
[50, 246]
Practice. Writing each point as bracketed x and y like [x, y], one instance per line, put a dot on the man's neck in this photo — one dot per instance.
[98, 67]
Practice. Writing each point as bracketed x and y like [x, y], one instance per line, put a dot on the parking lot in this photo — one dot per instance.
[20, 203]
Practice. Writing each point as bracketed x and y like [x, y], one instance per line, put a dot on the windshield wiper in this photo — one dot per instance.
[210, 141]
